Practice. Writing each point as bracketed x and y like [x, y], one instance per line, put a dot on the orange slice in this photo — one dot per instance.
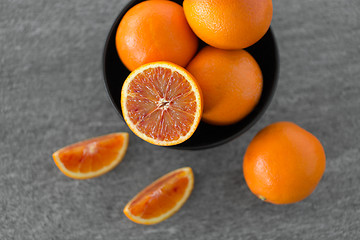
[162, 198]
[92, 157]
[162, 103]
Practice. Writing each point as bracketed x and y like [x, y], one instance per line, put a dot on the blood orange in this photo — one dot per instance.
[162, 103]
[162, 198]
[92, 157]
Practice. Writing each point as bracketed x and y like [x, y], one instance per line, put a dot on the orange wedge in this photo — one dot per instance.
[92, 157]
[162, 103]
[162, 198]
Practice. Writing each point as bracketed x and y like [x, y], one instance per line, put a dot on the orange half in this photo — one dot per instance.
[92, 157]
[162, 103]
[162, 198]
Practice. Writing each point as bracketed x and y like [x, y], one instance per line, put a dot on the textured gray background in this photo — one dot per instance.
[52, 94]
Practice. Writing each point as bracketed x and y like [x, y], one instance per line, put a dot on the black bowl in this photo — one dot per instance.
[206, 136]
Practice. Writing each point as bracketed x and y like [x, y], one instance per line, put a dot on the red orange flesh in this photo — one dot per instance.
[162, 198]
[92, 157]
[162, 103]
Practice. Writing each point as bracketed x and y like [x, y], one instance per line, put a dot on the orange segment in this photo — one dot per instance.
[92, 157]
[162, 103]
[162, 198]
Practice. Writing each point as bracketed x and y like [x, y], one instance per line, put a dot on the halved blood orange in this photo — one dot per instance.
[162, 103]
[162, 198]
[92, 157]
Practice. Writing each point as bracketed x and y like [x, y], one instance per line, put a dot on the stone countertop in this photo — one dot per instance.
[52, 94]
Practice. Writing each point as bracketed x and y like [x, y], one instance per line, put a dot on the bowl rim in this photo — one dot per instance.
[255, 119]
[106, 46]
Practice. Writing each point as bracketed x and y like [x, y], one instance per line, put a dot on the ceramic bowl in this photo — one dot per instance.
[206, 136]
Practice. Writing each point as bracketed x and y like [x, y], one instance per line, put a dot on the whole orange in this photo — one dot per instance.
[229, 24]
[231, 83]
[283, 163]
[155, 31]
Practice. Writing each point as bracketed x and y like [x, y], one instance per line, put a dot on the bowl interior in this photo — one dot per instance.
[206, 136]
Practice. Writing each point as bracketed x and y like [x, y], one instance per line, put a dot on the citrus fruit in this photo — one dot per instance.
[283, 163]
[155, 31]
[162, 198]
[161, 103]
[92, 157]
[229, 24]
[231, 82]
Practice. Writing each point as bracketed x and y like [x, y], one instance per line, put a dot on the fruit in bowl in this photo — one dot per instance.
[231, 82]
[162, 103]
[229, 24]
[155, 31]
[264, 52]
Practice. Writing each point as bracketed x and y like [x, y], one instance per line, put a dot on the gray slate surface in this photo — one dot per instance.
[52, 94]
